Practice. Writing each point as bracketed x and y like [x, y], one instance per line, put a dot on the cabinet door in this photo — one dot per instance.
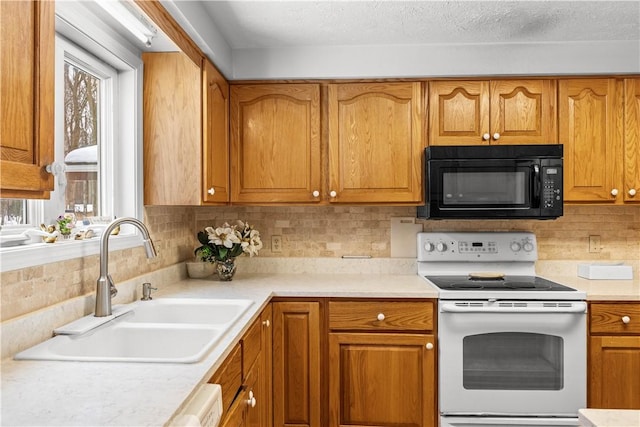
[275, 143]
[375, 143]
[631, 185]
[458, 112]
[296, 364]
[523, 112]
[590, 129]
[613, 372]
[215, 136]
[172, 129]
[26, 98]
[382, 380]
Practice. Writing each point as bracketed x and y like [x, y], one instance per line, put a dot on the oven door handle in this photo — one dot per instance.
[579, 307]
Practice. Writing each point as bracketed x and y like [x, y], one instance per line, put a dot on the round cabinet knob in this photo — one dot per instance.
[251, 401]
[333, 194]
[528, 247]
[632, 192]
[316, 193]
[429, 346]
[515, 246]
[626, 319]
[380, 317]
[441, 247]
[486, 137]
[496, 136]
[266, 323]
[211, 191]
[614, 192]
[429, 247]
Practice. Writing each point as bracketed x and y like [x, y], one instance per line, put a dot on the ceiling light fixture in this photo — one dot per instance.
[130, 19]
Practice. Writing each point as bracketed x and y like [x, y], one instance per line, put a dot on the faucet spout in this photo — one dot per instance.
[105, 289]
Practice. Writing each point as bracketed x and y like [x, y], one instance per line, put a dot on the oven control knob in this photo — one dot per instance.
[429, 247]
[626, 319]
[528, 246]
[515, 246]
[441, 247]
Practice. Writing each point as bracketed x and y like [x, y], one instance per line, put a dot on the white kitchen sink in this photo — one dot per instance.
[162, 330]
[183, 310]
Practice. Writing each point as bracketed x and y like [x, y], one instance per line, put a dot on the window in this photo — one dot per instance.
[98, 131]
[85, 128]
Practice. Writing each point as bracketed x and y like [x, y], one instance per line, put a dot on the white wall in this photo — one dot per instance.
[505, 59]
[438, 60]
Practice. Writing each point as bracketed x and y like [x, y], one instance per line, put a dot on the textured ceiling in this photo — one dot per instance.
[267, 24]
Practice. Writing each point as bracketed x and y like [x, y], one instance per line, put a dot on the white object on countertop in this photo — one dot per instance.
[403, 237]
[203, 410]
[603, 271]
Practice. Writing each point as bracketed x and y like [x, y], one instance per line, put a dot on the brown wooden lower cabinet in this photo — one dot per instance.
[341, 363]
[614, 355]
[296, 364]
[381, 379]
[245, 377]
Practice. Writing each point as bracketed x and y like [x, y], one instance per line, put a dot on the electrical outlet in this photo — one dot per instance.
[276, 244]
[595, 245]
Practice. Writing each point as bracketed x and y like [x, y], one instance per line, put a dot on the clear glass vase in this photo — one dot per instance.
[226, 269]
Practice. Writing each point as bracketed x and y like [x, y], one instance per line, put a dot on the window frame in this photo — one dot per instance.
[76, 23]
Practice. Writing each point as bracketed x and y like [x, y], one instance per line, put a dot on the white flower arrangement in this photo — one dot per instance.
[228, 241]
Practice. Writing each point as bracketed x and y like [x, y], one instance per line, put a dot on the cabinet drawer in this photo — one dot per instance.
[615, 318]
[381, 315]
[251, 346]
[229, 376]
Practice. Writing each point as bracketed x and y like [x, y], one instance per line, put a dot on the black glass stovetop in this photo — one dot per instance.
[504, 283]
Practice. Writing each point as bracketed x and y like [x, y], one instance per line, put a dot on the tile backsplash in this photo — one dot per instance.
[319, 231]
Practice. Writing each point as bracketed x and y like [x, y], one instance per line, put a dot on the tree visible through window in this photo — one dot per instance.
[81, 138]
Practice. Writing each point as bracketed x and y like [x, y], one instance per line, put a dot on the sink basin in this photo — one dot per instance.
[127, 342]
[194, 311]
[163, 330]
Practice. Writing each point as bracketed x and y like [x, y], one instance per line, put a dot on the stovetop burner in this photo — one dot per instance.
[506, 283]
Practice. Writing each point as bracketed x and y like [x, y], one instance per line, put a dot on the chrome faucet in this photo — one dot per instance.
[105, 289]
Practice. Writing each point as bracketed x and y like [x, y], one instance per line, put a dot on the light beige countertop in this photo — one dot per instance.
[65, 393]
[602, 290]
[609, 418]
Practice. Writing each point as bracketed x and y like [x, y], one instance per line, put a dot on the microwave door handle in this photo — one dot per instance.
[536, 186]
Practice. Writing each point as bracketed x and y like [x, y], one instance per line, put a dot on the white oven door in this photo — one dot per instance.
[512, 358]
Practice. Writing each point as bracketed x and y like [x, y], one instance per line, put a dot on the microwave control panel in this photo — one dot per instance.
[551, 187]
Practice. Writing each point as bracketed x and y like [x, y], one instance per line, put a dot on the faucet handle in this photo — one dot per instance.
[113, 291]
[146, 291]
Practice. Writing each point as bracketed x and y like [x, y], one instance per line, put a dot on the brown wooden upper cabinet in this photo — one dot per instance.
[376, 143]
[275, 143]
[478, 112]
[27, 46]
[186, 157]
[631, 184]
[591, 130]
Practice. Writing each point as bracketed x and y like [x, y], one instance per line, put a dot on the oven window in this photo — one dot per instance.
[484, 188]
[513, 361]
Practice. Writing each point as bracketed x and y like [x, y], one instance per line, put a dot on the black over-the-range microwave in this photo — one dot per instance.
[493, 182]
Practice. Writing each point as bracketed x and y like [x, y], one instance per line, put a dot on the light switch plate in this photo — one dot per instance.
[403, 237]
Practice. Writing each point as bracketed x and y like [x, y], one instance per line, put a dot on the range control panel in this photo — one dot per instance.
[477, 246]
